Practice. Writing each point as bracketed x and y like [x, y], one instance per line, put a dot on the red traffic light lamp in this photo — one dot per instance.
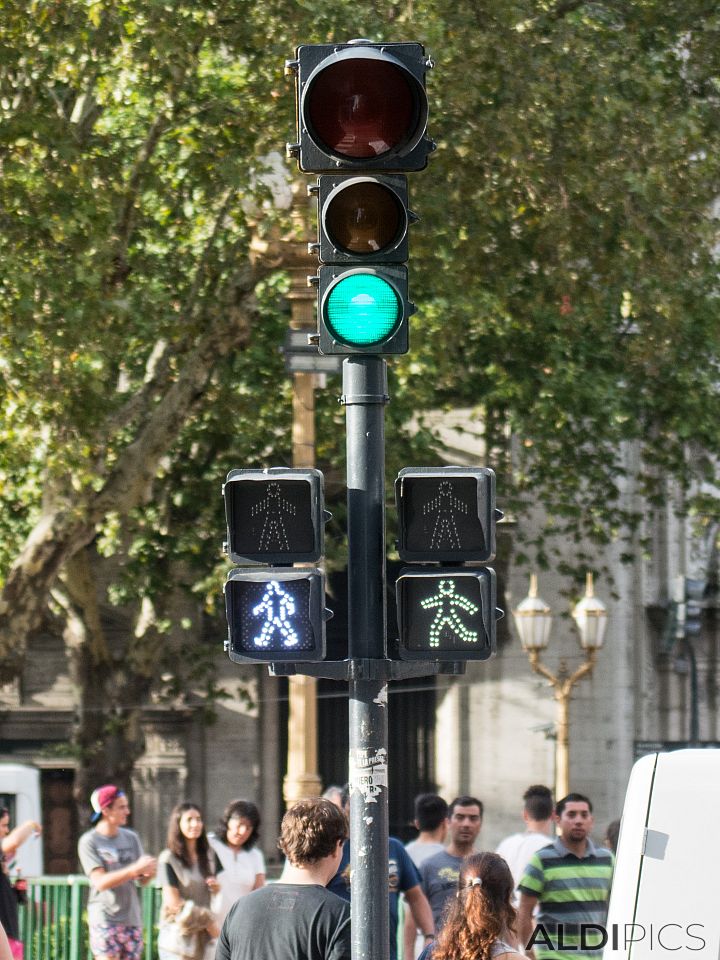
[361, 106]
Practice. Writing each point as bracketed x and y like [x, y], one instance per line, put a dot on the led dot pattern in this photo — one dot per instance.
[271, 617]
[362, 310]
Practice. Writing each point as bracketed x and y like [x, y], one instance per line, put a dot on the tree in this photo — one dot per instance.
[133, 280]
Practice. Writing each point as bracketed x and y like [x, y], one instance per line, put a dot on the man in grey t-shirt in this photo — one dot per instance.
[113, 859]
[439, 874]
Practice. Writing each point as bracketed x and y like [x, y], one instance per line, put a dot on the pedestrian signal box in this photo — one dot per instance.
[275, 515]
[447, 614]
[275, 614]
[446, 514]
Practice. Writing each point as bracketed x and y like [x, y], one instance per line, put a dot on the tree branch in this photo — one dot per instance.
[126, 220]
[568, 6]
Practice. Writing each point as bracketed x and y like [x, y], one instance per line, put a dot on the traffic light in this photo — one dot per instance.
[361, 106]
[447, 614]
[363, 310]
[446, 514]
[274, 516]
[361, 120]
[362, 218]
[276, 614]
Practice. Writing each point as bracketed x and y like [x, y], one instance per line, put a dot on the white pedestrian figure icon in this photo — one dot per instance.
[443, 509]
[447, 603]
[273, 506]
[277, 606]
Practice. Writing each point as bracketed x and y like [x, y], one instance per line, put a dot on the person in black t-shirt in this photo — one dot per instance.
[296, 918]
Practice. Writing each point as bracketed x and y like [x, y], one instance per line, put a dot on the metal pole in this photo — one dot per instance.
[562, 745]
[364, 395]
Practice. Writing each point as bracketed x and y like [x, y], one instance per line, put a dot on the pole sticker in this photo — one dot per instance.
[368, 772]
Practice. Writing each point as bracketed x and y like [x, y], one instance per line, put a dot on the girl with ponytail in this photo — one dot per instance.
[480, 919]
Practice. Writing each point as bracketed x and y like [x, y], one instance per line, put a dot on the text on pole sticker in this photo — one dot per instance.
[368, 772]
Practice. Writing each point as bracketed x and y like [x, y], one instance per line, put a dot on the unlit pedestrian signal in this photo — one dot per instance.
[446, 514]
[274, 515]
[448, 614]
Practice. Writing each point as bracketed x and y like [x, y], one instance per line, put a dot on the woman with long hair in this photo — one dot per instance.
[186, 871]
[241, 865]
[10, 840]
[480, 918]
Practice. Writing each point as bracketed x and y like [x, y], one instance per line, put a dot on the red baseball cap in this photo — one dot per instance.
[102, 798]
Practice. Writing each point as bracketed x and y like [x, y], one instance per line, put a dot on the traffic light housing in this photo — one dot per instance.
[361, 106]
[447, 613]
[446, 514]
[363, 303]
[363, 310]
[274, 516]
[362, 219]
[276, 614]
[361, 120]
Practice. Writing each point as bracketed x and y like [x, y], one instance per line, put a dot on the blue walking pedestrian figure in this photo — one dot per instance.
[277, 606]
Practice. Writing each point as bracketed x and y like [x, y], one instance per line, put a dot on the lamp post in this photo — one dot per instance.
[533, 619]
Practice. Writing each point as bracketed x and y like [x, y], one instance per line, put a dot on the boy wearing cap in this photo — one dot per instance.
[113, 859]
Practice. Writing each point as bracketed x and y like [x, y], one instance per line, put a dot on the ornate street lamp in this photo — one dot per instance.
[533, 619]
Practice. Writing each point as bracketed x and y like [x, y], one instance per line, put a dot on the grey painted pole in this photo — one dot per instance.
[364, 395]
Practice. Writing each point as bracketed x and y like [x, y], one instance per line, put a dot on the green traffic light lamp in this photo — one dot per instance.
[363, 310]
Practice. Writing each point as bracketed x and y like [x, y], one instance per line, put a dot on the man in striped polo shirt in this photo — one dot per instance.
[570, 879]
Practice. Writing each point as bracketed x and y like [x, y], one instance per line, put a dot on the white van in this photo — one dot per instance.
[20, 793]
[664, 902]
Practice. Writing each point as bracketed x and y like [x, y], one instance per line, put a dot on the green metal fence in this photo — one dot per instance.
[53, 923]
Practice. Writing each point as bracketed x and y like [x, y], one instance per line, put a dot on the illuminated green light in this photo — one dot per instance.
[362, 309]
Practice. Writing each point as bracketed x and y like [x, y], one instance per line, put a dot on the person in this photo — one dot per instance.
[297, 917]
[439, 874]
[612, 835]
[186, 871]
[556, 880]
[10, 840]
[517, 849]
[112, 857]
[430, 821]
[480, 922]
[402, 878]
[241, 866]
[5, 951]
[333, 793]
